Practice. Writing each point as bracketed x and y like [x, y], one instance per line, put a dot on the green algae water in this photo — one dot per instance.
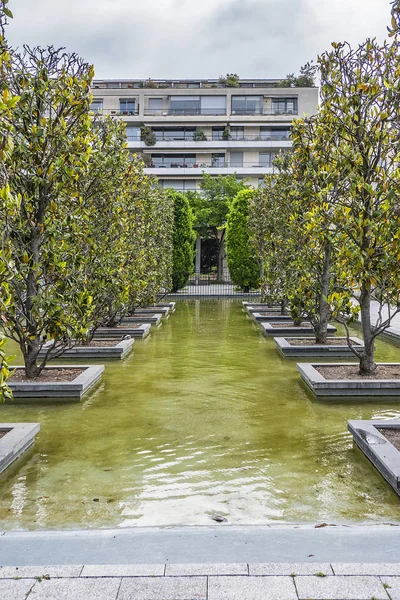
[204, 417]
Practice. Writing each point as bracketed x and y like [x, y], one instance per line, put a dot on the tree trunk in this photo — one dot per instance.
[367, 362]
[31, 351]
[283, 307]
[321, 329]
[220, 258]
[30, 359]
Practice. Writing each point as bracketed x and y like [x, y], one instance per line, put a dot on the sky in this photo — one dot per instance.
[196, 38]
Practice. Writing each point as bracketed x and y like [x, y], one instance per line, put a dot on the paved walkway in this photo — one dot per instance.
[235, 581]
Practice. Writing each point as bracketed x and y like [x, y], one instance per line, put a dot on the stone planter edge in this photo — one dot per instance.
[380, 451]
[288, 350]
[120, 350]
[59, 389]
[346, 387]
[20, 437]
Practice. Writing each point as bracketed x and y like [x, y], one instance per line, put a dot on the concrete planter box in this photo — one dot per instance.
[153, 318]
[379, 450]
[274, 317]
[284, 329]
[58, 389]
[119, 332]
[119, 351]
[322, 387]
[286, 349]
[163, 310]
[170, 305]
[19, 438]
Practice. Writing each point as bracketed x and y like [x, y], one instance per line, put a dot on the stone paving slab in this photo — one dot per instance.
[393, 586]
[249, 588]
[340, 588]
[207, 569]
[290, 568]
[76, 589]
[366, 569]
[163, 588]
[15, 590]
[122, 571]
[40, 571]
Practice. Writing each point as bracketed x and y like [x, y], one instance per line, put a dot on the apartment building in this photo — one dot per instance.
[203, 125]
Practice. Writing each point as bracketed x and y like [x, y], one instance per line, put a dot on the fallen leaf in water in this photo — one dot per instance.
[321, 525]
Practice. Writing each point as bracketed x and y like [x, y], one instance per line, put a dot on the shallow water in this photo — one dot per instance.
[203, 417]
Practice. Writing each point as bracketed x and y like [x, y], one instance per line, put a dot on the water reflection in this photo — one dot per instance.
[205, 417]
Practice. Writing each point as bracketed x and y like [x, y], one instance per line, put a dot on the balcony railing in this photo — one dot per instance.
[212, 165]
[214, 138]
[264, 111]
[183, 112]
[116, 112]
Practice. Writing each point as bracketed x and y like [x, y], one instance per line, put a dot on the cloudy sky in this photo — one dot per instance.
[196, 38]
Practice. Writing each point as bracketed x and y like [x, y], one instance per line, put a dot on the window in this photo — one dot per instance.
[246, 105]
[217, 160]
[174, 160]
[133, 134]
[266, 159]
[113, 85]
[185, 105]
[284, 106]
[217, 133]
[236, 159]
[155, 104]
[275, 133]
[182, 185]
[213, 105]
[237, 133]
[97, 105]
[127, 106]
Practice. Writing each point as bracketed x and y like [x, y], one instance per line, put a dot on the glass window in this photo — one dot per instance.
[237, 133]
[174, 160]
[218, 160]
[217, 133]
[97, 105]
[246, 105]
[185, 105]
[179, 184]
[284, 106]
[275, 133]
[213, 105]
[155, 103]
[127, 106]
[236, 159]
[133, 134]
[266, 159]
[179, 134]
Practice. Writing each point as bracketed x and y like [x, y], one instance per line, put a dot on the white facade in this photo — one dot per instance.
[202, 125]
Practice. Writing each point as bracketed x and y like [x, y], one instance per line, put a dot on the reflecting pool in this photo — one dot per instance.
[204, 417]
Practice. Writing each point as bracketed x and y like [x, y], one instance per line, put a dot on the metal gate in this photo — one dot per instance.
[207, 285]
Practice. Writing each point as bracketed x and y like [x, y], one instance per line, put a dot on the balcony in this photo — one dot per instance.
[264, 111]
[116, 112]
[213, 143]
[220, 168]
[184, 112]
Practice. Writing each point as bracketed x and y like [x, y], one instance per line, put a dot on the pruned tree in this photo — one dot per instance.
[210, 209]
[361, 101]
[183, 240]
[51, 131]
[242, 262]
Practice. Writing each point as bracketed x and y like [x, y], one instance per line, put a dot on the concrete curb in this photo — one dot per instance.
[74, 389]
[20, 437]
[288, 350]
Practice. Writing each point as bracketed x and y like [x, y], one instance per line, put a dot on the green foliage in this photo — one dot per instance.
[306, 77]
[230, 80]
[183, 240]
[148, 136]
[199, 136]
[226, 134]
[242, 264]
